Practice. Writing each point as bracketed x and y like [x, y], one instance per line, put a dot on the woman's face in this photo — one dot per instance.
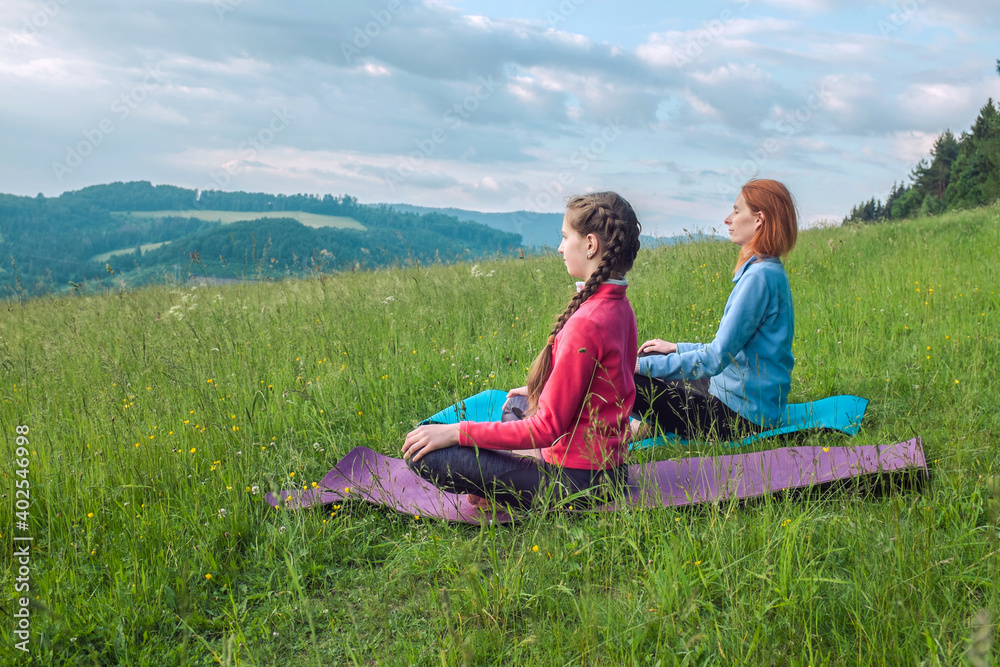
[742, 222]
[574, 249]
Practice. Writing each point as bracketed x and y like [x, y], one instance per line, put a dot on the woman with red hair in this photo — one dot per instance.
[738, 383]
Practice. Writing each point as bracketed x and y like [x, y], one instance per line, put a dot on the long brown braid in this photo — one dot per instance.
[611, 219]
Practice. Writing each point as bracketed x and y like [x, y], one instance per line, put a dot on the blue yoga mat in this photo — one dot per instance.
[838, 413]
[486, 406]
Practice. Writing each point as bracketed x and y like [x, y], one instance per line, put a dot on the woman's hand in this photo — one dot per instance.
[517, 391]
[657, 345]
[428, 438]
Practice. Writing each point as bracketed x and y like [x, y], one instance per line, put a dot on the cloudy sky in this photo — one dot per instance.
[491, 105]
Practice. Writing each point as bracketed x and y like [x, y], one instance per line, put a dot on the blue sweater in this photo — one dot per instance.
[750, 361]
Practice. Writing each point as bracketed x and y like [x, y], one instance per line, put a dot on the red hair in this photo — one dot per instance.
[777, 233]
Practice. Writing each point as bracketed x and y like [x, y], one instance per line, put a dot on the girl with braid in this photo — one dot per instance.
[580, 389]
[738, 383]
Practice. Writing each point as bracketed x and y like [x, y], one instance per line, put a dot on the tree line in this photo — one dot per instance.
[48, 243]
[962, 172]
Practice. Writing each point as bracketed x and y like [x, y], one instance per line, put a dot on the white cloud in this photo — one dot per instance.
[811, 145]
[822, 220]
[697, 98]
[910, 147]
[375, 70]
[800, 5]
[700, 107]
[737, 77]
[53, 72]
[761, 27]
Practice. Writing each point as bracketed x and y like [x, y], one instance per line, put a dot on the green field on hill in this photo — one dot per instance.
[158, 417]
[105, 256]
[228, 217]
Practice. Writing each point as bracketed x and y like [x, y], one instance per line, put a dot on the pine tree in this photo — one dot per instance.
[891, 207]
[943, 154]
[963, 172]
[975, 180]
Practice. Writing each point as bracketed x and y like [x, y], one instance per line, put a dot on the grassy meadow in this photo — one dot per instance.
[159, 417]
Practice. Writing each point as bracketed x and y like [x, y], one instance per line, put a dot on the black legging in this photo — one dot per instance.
[689, 410]
[513, 480]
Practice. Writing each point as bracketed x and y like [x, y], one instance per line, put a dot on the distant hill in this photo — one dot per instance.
[537, 230]
[228, 217]
[143, 233]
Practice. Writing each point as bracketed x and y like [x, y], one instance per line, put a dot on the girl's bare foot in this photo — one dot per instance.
[640, 430]
[478, 502]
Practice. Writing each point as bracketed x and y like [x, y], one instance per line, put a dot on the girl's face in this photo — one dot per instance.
[743, 222]
[574, 249]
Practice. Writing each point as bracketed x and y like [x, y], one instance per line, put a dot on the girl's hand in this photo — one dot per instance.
[657, 345]
[428, 438]
[517, 403]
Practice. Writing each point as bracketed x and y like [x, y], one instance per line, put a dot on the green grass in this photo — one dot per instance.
[228, 217]
[154, 414]
[105, 256]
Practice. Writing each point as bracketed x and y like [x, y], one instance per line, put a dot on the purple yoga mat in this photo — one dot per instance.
[387, 481]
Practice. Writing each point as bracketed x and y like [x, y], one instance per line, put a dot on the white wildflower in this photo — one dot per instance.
[477, 273]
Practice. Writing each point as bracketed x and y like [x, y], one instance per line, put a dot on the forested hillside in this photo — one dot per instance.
[541, 230]
[52, 243]
[963, 172]
[536, 229]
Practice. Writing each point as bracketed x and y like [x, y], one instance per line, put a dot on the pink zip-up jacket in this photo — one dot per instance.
[582, 419]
